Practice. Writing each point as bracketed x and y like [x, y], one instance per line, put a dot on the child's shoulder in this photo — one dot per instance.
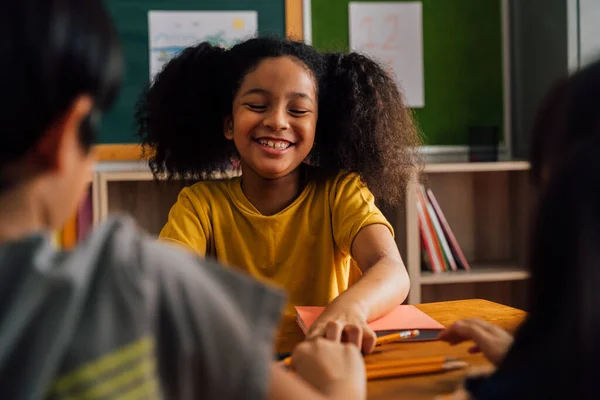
[112, 243]
[346, 177]
[332, 179]
[341, 181]
[345, 189]
[209, 189]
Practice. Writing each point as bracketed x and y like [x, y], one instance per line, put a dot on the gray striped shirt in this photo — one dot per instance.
[125, 317]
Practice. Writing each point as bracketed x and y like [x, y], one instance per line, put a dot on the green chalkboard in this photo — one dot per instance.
[131, 20]
[462, 57]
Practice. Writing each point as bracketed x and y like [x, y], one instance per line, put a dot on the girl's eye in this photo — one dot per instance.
[256, 107]
[298, 112]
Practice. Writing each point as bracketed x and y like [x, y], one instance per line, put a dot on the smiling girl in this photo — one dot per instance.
[316, 136]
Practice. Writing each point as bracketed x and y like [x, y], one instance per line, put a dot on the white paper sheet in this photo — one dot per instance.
[392, 33]
[172, 31]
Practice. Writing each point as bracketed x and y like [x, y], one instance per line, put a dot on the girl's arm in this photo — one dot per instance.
[383, 286]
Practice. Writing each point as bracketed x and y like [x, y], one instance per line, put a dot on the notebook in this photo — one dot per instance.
[402, 318]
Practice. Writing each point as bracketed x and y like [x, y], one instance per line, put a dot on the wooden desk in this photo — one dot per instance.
[428, 386]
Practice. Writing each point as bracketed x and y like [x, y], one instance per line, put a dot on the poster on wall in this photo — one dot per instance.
[392, 33]
[170, 32]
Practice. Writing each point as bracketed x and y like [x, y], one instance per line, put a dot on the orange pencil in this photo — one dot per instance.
[415, 370]
[394, 337]
[407, 362]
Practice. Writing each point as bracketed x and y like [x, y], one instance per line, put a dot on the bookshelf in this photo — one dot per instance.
[486, 204]
[487, 207]
[134, 191]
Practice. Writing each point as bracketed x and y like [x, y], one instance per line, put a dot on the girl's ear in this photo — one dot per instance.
[228, 128]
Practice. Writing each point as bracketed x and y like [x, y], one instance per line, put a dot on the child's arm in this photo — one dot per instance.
[384, 285]
[286, 386]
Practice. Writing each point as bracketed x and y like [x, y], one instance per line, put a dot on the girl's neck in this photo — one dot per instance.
[270, 196]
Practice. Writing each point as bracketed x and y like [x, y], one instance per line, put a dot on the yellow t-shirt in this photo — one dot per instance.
[304, 248]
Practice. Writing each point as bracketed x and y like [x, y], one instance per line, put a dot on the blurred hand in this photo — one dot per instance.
[346, 325]
[489, 339]
[459, 394]
[325, 364]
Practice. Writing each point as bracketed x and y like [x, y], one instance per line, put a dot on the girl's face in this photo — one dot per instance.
[274, 117]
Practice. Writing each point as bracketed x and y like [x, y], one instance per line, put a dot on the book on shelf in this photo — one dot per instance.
[440, 249]
[441, 238]
[428, 238]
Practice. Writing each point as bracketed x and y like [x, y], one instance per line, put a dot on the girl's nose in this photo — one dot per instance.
[277, 119]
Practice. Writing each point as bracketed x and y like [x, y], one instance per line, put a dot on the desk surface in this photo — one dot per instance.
[428, 386]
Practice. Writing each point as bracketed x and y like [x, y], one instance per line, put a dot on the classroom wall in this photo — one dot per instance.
[539, 57]
[131, 20]
[462, 46]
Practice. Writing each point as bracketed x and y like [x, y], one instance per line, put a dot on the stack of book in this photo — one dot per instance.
[440, 249]
[77, 227]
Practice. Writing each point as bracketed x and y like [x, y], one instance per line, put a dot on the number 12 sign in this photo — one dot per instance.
[392, 33]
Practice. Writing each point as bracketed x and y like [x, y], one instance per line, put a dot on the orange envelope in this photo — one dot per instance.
[402, 318]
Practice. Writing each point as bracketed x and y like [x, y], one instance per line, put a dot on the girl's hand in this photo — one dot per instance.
[344, 324]
[489, 339]
[331, 367]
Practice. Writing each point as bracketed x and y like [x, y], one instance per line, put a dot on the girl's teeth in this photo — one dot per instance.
[274, 145]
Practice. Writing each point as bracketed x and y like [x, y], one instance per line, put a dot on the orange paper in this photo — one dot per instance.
[403, 317]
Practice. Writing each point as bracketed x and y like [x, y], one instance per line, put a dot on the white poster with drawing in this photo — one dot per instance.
[172, 31]
[392, 33]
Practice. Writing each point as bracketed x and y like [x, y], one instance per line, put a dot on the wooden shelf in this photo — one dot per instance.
[477, 167]
[125, 169]
[141, 176]
[478, 273]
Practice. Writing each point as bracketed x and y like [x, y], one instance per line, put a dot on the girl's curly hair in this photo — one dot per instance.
[363, 125]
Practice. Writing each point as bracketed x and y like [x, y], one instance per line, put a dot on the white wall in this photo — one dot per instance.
[589, 25]
[585, 26]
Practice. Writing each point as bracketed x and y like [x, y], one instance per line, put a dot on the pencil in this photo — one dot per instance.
[407, 362]
[415, 370]
[394, 337]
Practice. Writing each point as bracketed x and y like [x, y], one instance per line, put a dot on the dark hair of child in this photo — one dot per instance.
[555, 352]
[363, 124]
[42, 43]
